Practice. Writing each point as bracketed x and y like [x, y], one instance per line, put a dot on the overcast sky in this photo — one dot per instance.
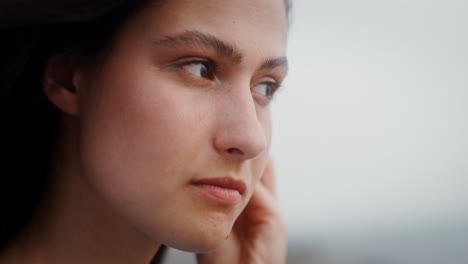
[371, 125]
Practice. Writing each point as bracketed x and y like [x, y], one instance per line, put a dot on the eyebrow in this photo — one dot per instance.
[194, 37]
[205, 40]
[272, 63]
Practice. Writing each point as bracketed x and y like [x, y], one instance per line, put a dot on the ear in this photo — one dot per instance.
[62, 80]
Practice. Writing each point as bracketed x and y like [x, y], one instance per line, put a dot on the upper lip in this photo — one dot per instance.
[224, 182]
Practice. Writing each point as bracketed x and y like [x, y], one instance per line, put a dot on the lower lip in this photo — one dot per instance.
[222, 195]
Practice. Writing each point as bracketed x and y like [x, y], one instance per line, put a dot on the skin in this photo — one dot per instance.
[155, 116]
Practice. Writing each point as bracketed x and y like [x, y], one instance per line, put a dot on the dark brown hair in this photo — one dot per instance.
[28, 120]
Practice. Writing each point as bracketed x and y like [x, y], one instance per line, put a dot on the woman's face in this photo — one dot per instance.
[175, 128]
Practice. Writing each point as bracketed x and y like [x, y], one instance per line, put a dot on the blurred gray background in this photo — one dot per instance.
[371, 133]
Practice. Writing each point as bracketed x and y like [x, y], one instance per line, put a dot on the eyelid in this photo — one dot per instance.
[185, 60]
[271, 81]
[276, 86]
[189, 60]
[209, 64]
[272, 86]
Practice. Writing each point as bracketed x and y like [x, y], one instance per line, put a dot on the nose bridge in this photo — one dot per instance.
[240, 134]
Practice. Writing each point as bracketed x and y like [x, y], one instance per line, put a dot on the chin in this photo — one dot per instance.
[197, 246]
[202, 237]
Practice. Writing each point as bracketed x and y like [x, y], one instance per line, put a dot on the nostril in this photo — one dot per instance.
[235, 151]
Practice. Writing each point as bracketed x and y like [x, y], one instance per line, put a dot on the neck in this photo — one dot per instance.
[75, 225]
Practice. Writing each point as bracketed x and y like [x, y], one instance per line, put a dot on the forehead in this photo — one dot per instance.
[259, 25]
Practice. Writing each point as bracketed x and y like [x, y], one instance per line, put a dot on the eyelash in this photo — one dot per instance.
[272, 87]
[210, 66]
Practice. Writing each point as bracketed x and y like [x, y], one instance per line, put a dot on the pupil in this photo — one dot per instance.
[204, 71]
[268, 91]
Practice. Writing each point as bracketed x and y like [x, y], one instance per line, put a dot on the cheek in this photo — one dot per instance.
[259, 163]
[265, 119]
[134, 137]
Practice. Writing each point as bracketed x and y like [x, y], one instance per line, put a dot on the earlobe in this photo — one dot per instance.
[60, 83]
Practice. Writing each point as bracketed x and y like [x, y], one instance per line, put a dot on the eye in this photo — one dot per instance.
[266, 89]
[200, 68]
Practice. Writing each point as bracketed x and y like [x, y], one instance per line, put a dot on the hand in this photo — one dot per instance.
[259, 234]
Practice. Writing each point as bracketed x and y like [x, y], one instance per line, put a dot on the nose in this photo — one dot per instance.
[239, 133]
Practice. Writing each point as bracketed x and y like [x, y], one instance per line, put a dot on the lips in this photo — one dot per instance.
[224, 190]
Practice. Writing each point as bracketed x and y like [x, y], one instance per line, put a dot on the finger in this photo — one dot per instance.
[261, 206]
